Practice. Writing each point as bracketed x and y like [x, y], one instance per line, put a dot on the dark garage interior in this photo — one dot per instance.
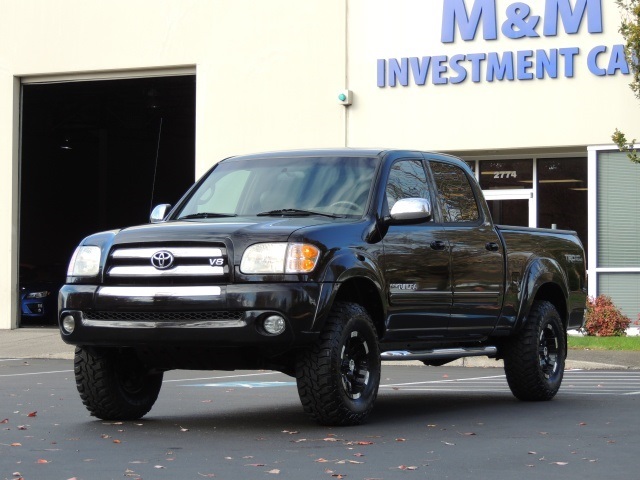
[95, 155]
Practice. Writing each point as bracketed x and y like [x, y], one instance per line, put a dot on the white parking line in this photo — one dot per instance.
[458, 390]
[35, 373]
[575, 383]
[453, 380]
[216, 378]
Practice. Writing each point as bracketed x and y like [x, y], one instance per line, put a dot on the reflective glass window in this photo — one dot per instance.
[455, 195]
[407, 179]
[506, 174]
[562, 194]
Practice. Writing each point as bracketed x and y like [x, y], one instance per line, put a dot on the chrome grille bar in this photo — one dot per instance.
[180, 270]
[178, 252]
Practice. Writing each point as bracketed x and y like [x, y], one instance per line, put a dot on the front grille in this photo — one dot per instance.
[176, 265]
[163, 316]
[34, 307]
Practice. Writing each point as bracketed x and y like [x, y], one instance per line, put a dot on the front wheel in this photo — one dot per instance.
[534, 359]
[339, 376]
[114, 384]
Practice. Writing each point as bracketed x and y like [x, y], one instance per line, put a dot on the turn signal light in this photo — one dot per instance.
[301, 258]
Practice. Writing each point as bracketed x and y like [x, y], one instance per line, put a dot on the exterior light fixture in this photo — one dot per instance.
[345, 97]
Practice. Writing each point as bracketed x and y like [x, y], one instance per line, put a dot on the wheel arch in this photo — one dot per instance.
[356, 277]
[544, 280]
[365, 292]
[552, 293]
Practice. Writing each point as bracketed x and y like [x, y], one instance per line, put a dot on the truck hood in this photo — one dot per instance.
[239, 229]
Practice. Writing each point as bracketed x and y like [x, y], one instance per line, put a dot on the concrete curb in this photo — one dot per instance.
[484, 362]
[46, 343]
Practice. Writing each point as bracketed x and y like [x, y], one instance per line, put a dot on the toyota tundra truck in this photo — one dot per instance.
[320, 264]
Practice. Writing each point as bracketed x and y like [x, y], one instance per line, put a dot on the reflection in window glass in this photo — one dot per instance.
[223, 198]
[407, 179]
[454, 193]
[252, 186]
[471, 164]
[506, 174]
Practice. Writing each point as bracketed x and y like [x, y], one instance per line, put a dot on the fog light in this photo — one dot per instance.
[274, 324]
[68, 324]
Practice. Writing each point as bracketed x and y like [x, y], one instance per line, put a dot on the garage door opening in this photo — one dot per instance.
[95, 155]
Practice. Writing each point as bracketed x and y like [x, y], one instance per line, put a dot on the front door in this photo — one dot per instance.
[416, 259]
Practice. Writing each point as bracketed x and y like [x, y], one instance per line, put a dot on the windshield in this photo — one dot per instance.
[334, 186]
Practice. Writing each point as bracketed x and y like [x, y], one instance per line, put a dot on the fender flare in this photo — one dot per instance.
[348, 265]
[543, 273]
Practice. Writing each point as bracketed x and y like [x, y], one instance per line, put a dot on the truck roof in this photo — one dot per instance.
[340, 152]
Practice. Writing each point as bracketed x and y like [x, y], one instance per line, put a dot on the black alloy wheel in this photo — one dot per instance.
[338, 377]
[534, 358]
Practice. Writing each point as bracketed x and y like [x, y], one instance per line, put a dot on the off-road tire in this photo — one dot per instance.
[114, 384]
[338, 377]
[534, 359]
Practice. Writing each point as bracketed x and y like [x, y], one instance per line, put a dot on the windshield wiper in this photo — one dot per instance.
[207, 215]
[295, 211]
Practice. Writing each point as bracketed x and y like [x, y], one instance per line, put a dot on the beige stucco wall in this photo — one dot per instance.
[268, 74]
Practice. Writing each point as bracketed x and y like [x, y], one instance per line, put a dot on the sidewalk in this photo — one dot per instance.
[46, 343]
[37, 342]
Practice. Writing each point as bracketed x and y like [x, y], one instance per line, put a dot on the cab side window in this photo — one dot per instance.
[407, 179]
[455, 195]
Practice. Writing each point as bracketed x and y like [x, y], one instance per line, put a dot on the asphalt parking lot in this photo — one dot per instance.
[446, 422]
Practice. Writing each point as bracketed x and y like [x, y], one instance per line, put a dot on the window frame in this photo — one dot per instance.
[436, 218]
[475, 190]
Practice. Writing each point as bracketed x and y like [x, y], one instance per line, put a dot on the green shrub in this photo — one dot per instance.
[604, 319]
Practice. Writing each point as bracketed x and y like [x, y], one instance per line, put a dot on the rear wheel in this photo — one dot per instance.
[115, 384]
[534, 360]
[338, 377]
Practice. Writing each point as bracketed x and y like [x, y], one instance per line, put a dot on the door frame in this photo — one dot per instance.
[524, 194]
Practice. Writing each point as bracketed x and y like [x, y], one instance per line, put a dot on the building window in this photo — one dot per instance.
[617, 206]
[562, 195]
[514, 212]
[624, 290]
[618, 211]
[506, 174]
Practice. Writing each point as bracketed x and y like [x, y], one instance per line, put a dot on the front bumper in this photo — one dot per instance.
[196, 316]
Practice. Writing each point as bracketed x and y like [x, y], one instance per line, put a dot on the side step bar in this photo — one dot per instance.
[440, 353]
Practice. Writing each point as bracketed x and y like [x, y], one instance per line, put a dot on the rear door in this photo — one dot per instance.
[416, 259]
[477, 268]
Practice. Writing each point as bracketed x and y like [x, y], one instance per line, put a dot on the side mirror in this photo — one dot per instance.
[159, 213]
[411, 210]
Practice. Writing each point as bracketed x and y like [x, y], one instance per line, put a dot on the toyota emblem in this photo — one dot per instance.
[162, 260]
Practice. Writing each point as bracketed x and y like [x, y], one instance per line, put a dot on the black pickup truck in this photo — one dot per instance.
[320, 264]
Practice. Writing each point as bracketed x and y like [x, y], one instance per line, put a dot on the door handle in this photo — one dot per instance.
[492, 246]
[438, 245]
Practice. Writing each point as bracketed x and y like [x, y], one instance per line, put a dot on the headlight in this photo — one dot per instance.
[85, 262]
[42, 294]
[264, 258]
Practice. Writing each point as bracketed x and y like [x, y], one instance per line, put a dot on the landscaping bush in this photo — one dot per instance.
[604, 319]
